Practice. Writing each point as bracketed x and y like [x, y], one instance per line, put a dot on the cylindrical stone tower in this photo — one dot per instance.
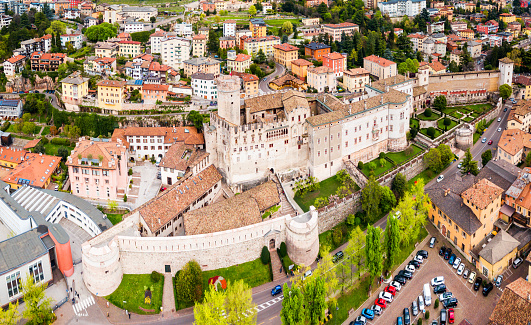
[302, 238]
[229, 98]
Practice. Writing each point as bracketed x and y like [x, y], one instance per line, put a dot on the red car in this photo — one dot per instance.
[391, 290]
[380, 302]
[451, 316]
[490, 142]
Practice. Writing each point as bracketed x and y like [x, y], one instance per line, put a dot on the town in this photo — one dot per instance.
[248, 162]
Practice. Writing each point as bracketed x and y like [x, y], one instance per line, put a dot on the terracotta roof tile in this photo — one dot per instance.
[286, 47]
[182, 156]
[35, 170]
[514, 306]
[482, 193]
[380, 61]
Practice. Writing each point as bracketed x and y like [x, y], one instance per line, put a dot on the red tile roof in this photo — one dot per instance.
[129, 42]
[242, 57]
[286, 47]
[301, 62]
[380, 61]
[111, 83]
[155, 87]
[16, 58]
[334, 56]
[249, 77]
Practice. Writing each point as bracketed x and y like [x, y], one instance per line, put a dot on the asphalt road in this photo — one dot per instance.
[264, 83]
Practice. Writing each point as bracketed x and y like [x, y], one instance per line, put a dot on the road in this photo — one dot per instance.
[264, 83]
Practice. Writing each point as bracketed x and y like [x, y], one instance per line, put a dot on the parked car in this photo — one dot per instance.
[446, 295]
[443, 316]
[386, 296]
[407, 317]
[437, 281]
[432, 242]
[448, 253]
[410, 268]
[419, 259]
[450, 303]
[377, 310]
[505, 109]
[360, 320]
[477, 283]
[442, 251]
[461, 268]
[380, 302]
[399, 321]
[439, 289]
[400, 279]
[499, 119]
[499, 280]
[395, 284]
[451, 316]
[434, 322]
[406, 274]
[307, 274]
[367, 313]
[451, 260]
[337, 256]
[421, 303]
[517, 262]
[472, 277]
[414, 308]
[499, 129]
[416, 264]
[487, 289]
[440, 178]
[465, 274]
[276, 290]
[391, 290]
[457, 261]
[423, 253]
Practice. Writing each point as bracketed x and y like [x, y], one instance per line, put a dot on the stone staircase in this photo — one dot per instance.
[285, 206]
[276, 265]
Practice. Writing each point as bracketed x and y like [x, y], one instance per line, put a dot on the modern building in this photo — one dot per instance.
[322, 78]
[199, 45]
[202, 64]
[183, 29]
[285, 53]
[204, 86]
[253, 45]
[258, 27]
[40, 44]
[336, 30]
[229, 28]
[400, 8]
[379, 67]
[356, 79]
[111, 95]
[316, 50]
[5, 20]
[46, 61]
[337, 62]
[75, 39]
[74, 88]
[98, 169]
[10, 108]
[174, 51]
[155, 40]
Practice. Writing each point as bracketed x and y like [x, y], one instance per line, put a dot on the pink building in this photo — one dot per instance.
[335, 61]
[227, 42]
[98, 169]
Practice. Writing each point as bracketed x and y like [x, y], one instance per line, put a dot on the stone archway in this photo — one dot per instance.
[272, 244]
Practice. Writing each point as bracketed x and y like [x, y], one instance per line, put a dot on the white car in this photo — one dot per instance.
[410, 268]
[395, 284]
[499, 129]
[499, 119]
[461, 268]
[361, 319]
[456, 263]
[386, 296]
[446, 295]
[307, 274]
[436, 281]
[421, 302]
[419, 259]
[440, 178]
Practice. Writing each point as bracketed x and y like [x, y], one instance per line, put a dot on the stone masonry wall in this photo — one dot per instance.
[337, 212]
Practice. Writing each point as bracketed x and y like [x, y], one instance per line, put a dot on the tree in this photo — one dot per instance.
[428, 112]
[101, 32]
[413, 209]
[373, 251]
[196, 119]
[433, 160]
[355, 249]
[505, 91]
[39, 148]
[10, 316]
[392, 240]
[190, 282]
[287, 28]
[292, 312]
[63, 153]
[212, 310]
[57, 27]
[28, 128]
[315, 299]
[252, 11]
[265, 256]
[469, 165]
[440, 103]
[370, 198]
[112, 205]
[446, 154]
[260, 57]
[38, 306]
[213, 41]
[153, 19]
[388, 200]
[239, 304]
[487, 156]
[399, 185]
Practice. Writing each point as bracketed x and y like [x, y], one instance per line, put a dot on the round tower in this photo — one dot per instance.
[424, 75]
[464, 136]
[229, 98]
[102, 269]
[302, 238]
[506, 67]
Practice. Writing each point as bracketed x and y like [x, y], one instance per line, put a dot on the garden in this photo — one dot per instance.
[139, 293]
[387, 161]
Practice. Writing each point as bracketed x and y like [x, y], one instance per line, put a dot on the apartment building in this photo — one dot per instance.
[258, 27]
[229, 28]
[316, 50]
[183, 29]
[111, 95]
[14, 65]
[238, 63]
[379, 67]
[90, 21]
[322, 78]
[254, 44]
[40, 44]
[129, 49]
[466, 33]
[155, 40]
[336, 30]
[46, 61]
[75, 39]
[285, 53]
[34, 170]
[417, 40]
[11, 108]
[507, 18]
[399, 8]
[199, 45]
[355, 80]
[98, 169]
[130, 26]
[74, 88]
[99, 66]
[204, 86]
[174, 51]
[300, 67]
[250, 84]
[5, 20]
[202, 64]
[106, 49]
[227, 42]
[514, 144]
[520, 114]
[337, 62]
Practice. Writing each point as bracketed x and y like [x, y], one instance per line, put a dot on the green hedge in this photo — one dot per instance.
[61, 142]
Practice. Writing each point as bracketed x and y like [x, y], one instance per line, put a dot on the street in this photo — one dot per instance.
[264, 83]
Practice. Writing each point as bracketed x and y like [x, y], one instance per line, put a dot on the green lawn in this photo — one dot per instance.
[253, 273]
[463, 110]
[456, 114]
[468, 119]
[114, 218]
[434, 116]
[480, 108]
[131, 290]
[11, 129]
[476, 137]
[437, 132]
[427, 175]
[46, 130]
[440, 124]
[474, 114]
[400, 157]
[51, 149]
[279, 22]
[379, 168]
[327, 188]
[414, 123]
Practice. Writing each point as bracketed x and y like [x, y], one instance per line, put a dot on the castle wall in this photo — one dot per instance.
[487, 80]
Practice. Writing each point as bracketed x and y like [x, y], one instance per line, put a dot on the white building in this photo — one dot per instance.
[180, 159]
[75, 39]
[72, 13]
[266, 6]
[183, 29]
[133, 26]
[37, 6]
[229, 28]
[155, 39]
[10, 108]
[204, 86]
[399, 8]
[5, 20]
[139, 13]
[14, 65]
[174, 51]
[322, 78]
[90, 21]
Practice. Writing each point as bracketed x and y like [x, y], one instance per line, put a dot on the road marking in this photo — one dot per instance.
[269, 303]
[461, 279]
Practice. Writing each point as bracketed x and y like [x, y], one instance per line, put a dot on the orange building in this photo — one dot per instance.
[151, 93]
[316, 50]
[300, 67]
[285, 53]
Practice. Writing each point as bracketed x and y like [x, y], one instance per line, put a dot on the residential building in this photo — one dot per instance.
[310, 21]
[204, 86]
[495, 40]
[455, 56]
[507, 18]
[40, 44]
[182, 159]
[5, 20]
[98, 169]
[526, 92]
[183, 29]
[72, 13]
[300, 67]
[466, 33]
[254, 44]
[131, 26]
[322, 78]
[151, 93]
[199, 45]
[498, 255]
[227, 42]
[474, 48]
[14, 65]
[316, 50]
[229, 28]
[90, 21]
[99, 66]
[10, 108]
[75, 39]
[115, 13]
[250, 84]
[238, 63]
[520, 114]
[111, 95]
[437, 27]
[436, 67]
[46, 61]
[266, 7]
[155, 40]
[129, 49]
[336, 30]
[458, 25]
[337, 62]
[514, 28]
[106, 49]
[506, 36]
[74, 88]
[514, 144]
[258, 27]
[240, 33]
[417, 41]
[354, 80]
[285, 53]
[514, 306]
[379, 67]
[143, 67]
[202, 64]
[174, 51]
[208, 7]
[315, 3]
[399, 8]
[86, 9]
[35, 170]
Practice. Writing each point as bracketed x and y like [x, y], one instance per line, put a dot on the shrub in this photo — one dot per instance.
[447, 121]
[427, 112]
[265, 257]
[44, 140]
[381, 155]
[357, 221]
[283, 249]
[351, 220]
[436, 304]
[61, 142]
[337, 236]
[372, 166]
[156, 276]
[125, 197]
[419, 322]
[5, 126]
[427, 315]
[130, 172]
[431, 132]
[360, 164]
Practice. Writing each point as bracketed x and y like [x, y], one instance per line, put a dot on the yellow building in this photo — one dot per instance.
[240, 63]
[285, 53]
[106, 49]
[253, 45]
[129, 49]
[466, 33]
[258, 27]
[111, 94]
[36, 170]
[250, 84]
[355, 80]
[10, 157]
[300, 67]
[514, 144]
[199, 45]
[507, 18]
[74, 88]
[464, 212]
[498, 255]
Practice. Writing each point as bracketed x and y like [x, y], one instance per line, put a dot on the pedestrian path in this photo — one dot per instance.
[168, 298]
[80, 309]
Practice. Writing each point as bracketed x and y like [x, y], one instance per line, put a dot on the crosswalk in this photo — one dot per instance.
[269, 303]
[80, 309]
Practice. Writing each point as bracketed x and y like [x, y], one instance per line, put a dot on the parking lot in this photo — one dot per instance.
[472, 305]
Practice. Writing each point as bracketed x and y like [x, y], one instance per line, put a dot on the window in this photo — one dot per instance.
[36, 272]
[13, 284]
[105, 173]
